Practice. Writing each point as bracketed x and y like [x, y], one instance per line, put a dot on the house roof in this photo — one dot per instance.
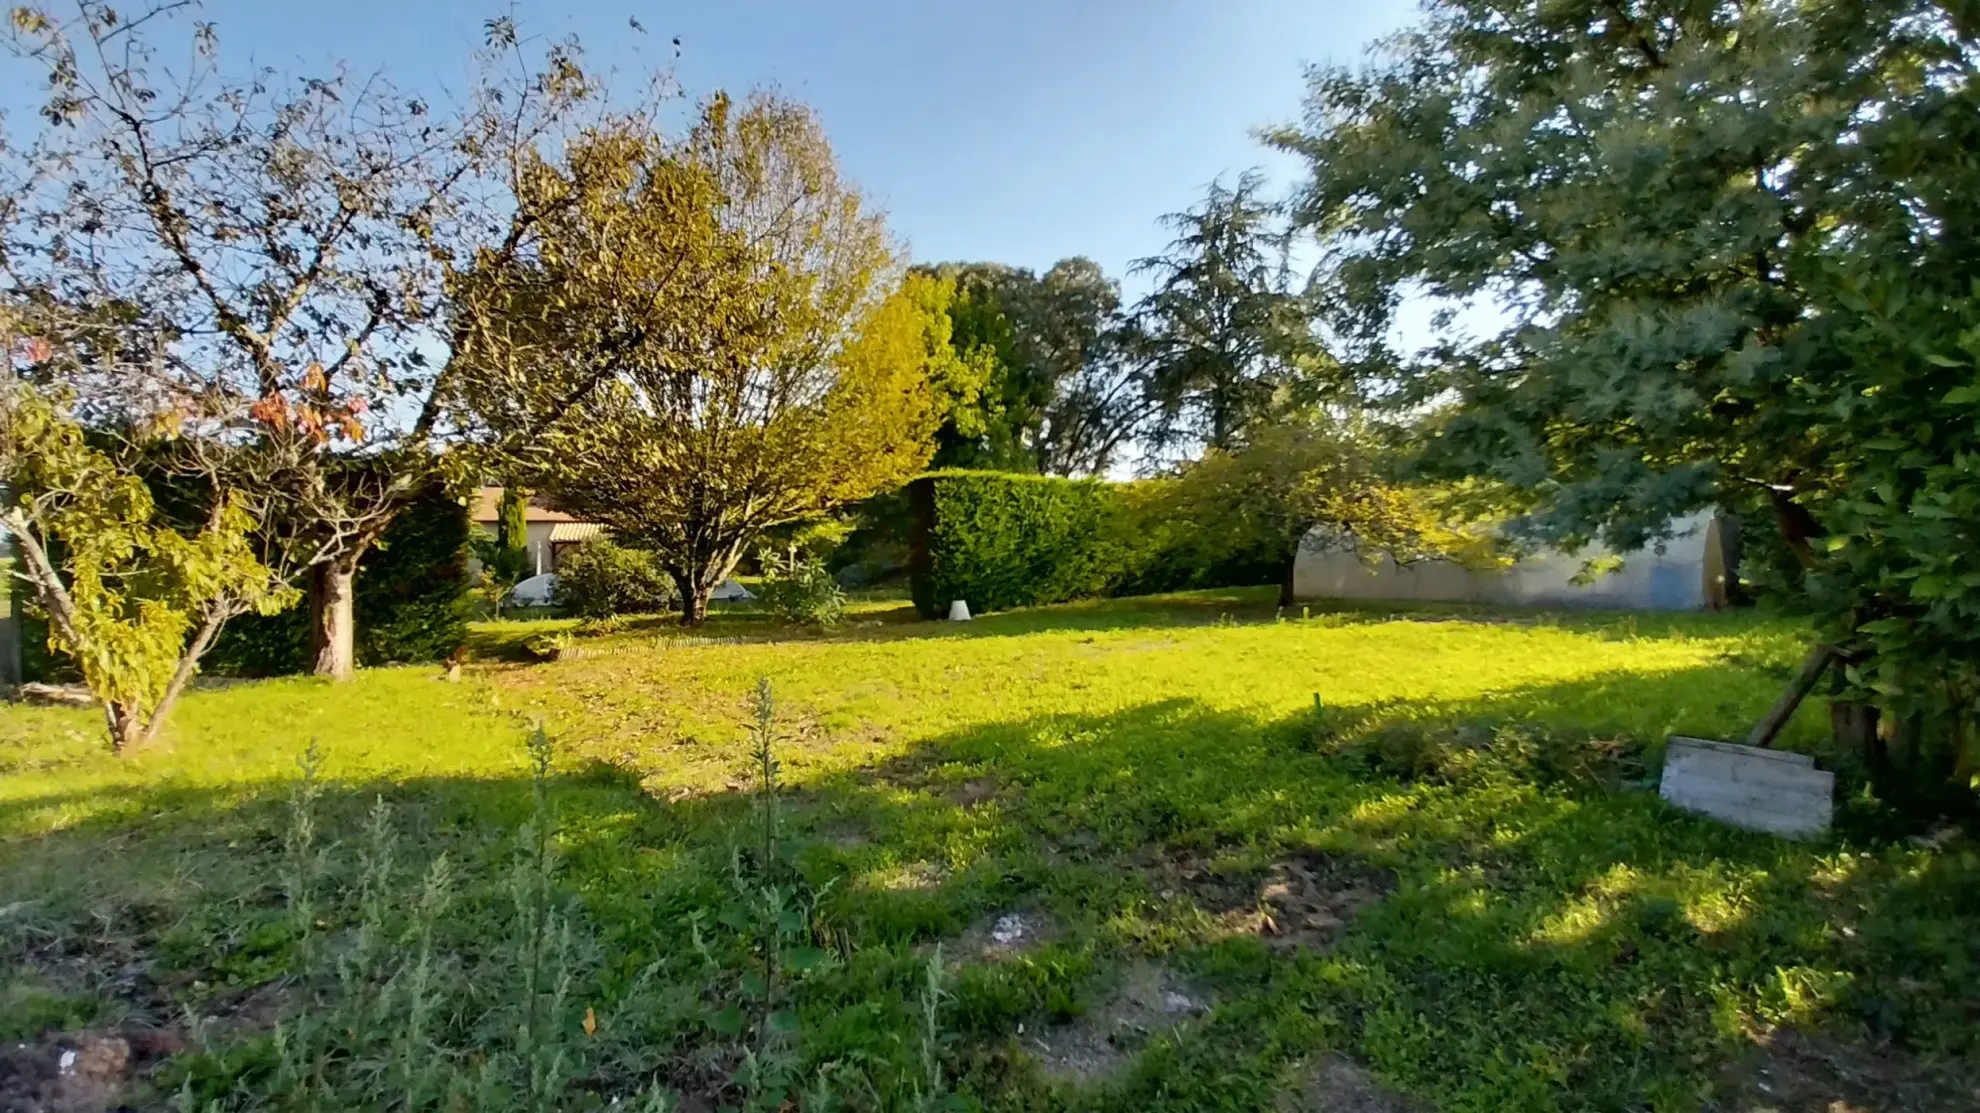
[575, 531]
[488, 508]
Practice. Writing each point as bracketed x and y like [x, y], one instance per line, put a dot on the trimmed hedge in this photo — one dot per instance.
[1000, 540]
[412, 601]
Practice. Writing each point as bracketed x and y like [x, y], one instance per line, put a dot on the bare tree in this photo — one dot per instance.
[283, 245]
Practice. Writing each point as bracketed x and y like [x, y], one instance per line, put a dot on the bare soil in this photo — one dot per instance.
[1149, 1001]
[1304, 899]
[1790, 1072]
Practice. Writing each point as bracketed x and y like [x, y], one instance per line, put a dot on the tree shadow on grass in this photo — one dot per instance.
[1550, 941]
[1546, 939]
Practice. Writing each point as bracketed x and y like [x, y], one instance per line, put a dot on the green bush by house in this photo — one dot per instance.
[601, 578]
[1001, 540]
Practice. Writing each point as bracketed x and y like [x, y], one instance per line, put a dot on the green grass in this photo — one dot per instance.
[1524, 927]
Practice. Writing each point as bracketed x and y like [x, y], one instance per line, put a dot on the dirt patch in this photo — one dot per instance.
[1300, 900]
[1000, 936]
[1338, 1085]
[1149, 1001]
[972, 793]
[1788, 1072]
[88, 1073]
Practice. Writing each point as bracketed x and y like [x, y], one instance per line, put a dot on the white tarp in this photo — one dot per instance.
[1682, 577]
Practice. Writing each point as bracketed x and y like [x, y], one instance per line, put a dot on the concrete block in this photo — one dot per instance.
[1758, 789]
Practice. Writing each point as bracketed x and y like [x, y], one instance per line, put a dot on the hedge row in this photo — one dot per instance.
[411, 599]
[1001, 540]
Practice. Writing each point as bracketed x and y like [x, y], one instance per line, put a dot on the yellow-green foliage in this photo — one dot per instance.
[135, 585]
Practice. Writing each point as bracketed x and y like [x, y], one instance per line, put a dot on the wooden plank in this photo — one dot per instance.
[1747, 787]
[1741, 770]
[1679, 741]
[1797, 690]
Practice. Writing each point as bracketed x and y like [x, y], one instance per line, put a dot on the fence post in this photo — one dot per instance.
[10, 615]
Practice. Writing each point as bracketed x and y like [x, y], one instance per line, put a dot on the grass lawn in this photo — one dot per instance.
[1150, 854]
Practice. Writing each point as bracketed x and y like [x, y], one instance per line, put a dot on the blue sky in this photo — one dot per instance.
[1020, 132]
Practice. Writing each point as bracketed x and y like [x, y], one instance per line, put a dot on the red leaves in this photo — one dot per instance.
[316, 421]
[272, 411]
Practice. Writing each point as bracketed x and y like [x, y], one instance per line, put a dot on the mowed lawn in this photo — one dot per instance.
[1177, 854]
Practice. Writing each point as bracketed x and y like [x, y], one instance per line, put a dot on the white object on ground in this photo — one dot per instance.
[1761, 790]
[731, 592]
[1008, 929]
[959, 611]
[537, 591]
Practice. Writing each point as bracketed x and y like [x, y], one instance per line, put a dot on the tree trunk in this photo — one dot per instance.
[182, 676]
[694, 604]
[694, 595]
[333, 625]
[126, 729]
[1286, 578]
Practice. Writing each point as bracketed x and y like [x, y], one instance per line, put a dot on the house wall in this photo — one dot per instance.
[537, 543]
[1688, 575]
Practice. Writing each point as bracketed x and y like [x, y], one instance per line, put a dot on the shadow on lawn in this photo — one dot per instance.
[1549, 940]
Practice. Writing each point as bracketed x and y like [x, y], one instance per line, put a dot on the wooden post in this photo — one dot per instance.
[1797, 690]
[10, 614]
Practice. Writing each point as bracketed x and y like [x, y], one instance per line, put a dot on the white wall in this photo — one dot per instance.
[1686, 576]
[537, 543]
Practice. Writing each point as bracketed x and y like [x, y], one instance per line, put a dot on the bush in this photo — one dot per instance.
[1001, 540]
[601, 578]
[412, 601]
[800, 590]
[413, 594]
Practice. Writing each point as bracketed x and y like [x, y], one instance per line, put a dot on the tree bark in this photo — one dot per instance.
[333, 623]
[1798, 526]
[694, 599]
[126, 730]
[182, 676]
[1286, 578]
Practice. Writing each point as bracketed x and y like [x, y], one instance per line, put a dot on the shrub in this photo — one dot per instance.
[549, 647]
[601, 578]
[800, 590]
[1002, 540]
[413, 594]
[413, 598]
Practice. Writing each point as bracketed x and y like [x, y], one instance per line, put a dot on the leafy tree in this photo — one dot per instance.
[1312, 472]
[720, 306]
[1059, 395]
[1222, 335]
[268, 254]
[135, 600]
[1100, 402]
[512, 519]
[963, 384]
[994, 426]
[1734, 246]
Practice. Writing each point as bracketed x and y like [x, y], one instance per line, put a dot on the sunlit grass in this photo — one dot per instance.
[1550, 937]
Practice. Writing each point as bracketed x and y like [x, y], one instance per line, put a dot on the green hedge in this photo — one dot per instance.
[1001, 540]
[412, 601]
